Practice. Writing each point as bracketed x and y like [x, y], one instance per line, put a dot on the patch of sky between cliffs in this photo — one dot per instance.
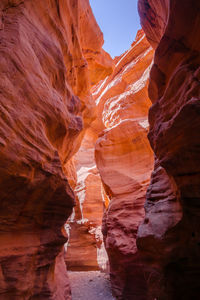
[119, 22]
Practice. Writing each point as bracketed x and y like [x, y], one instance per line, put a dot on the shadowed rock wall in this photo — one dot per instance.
[169, 237]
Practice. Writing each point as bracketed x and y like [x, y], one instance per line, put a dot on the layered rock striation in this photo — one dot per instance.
[47, 51]
[168, 239]
[125, 161]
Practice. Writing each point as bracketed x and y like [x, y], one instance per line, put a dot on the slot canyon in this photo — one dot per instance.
[99, 156]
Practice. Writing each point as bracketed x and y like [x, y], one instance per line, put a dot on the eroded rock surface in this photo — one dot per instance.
[44, 69]
[125, 161]
[169, 235]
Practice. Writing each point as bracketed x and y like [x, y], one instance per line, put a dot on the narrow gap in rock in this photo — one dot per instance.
[112, 171]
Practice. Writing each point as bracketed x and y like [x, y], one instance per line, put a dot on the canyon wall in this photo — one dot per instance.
[48, 52]
[169, 238]
[125, 161]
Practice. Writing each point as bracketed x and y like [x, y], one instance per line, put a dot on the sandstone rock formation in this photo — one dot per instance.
[50, 56]
[169, 236]
[125, 161]
[47, 54]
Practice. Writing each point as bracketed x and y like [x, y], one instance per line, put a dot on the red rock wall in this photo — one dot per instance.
[43, 70]
[169, 236]
[125, 161]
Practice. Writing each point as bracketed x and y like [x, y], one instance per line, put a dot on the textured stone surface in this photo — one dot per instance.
[169, 236]
[125, 161]
[43, 72]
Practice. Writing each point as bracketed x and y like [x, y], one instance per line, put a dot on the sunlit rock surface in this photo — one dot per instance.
[169, 236]
[85, 249]
[47, 50]
[125, 161]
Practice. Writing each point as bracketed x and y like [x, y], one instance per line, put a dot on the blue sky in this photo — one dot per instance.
[119, 22]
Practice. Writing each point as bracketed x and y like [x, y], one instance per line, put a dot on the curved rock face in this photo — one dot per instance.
[169, 236]
[125, 161]
[43, 70]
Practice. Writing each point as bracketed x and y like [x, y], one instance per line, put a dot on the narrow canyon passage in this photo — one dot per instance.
[99, 156]
[113, 168]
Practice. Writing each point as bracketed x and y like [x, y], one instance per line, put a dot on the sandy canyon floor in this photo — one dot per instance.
[92, 285]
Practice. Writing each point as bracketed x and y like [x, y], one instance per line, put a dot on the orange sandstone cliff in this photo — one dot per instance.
[125, 161]
[169, 237]
[47, 54]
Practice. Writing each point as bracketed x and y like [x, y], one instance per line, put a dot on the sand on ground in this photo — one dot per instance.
[93, 285]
